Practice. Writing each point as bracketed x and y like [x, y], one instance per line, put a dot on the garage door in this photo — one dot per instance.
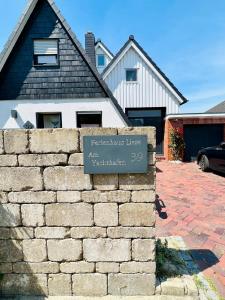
[201, 136]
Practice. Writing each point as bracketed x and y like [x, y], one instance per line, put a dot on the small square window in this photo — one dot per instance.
[131, 75]
[49, 120]
[46, 52]
[101, 60]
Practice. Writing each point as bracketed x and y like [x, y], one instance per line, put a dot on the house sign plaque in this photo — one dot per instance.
[115, 154]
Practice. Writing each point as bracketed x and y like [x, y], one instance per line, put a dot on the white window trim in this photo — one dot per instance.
[101, 66]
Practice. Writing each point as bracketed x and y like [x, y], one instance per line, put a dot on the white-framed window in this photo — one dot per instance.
[49, 120]
[101, 60]
[45, 52]
[131, 75]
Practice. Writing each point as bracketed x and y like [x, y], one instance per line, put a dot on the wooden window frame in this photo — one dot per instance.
[35, 56]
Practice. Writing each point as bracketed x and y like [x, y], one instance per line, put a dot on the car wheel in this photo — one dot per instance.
[204, 163]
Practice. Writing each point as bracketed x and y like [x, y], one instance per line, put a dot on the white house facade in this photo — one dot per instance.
[143, 91]
[47, 80]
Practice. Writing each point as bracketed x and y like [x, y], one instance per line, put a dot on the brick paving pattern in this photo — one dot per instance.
[191, 204]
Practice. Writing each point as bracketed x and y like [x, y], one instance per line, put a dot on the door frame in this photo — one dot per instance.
[163, 115]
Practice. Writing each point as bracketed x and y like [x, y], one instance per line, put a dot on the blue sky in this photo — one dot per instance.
[186, 38]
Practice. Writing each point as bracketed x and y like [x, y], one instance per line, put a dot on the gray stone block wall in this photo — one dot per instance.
[63, 232]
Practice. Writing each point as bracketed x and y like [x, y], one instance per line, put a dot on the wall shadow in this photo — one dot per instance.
[173, 262]
[160, 205]
[17, 278]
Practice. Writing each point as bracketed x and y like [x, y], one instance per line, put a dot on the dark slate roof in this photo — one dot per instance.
[73, 38]
[219, 108]
[132, 39]
[100, 41]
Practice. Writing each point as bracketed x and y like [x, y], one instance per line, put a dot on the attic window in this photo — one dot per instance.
[45, 52]
[131, 75]
[101, 60]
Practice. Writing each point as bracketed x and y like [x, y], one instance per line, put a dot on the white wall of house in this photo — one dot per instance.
[27, 109]
[149, 90]
[99, 50]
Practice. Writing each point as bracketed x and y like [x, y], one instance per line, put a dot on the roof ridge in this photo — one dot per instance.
[104, 45]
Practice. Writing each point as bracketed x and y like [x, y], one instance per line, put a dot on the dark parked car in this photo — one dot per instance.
[212, 158]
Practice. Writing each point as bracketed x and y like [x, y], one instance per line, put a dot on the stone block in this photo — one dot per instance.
[119, 196]
[106, 250]
[131, 284]
[191, 288]
[105, 182]
[130, 232]
[106, 214]
[5, 233]
[138, 181]
[10, 215]
[1, 142]
[54, 141]
[66, 178]
[77, 267]
[36, 268]
[32, 197]
[8, 160]
[77, 214]
[173, 286]
[51, 232]
[32, 214]
[149, 131]
[16, 179]
[16, 141]
[5, 268]
[16, 233]
[59, 285]
[137, 214]
[95, 131]
[42, 160]
[76, 159]
[143, 250]
[34, 250]
[102, 197]
[88, 232]
[68, 196]
[64, 250]
[137, 267]
[24, 284]
[10, 251]
[94, 285]
[3, 197]
[107, 267]
[143, 196]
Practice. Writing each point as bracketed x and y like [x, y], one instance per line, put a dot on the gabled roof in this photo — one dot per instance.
[104, 48]
[19, 28]
[219, 108]
[135, 45]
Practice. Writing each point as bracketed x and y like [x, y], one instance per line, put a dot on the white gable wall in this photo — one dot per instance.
[99, 50]
[149, 91]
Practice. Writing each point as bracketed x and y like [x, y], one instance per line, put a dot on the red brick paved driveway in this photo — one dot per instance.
[194, 209]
